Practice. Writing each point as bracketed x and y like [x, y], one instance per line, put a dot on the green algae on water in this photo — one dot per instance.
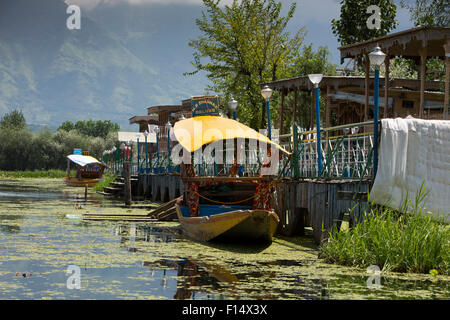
[121, 260]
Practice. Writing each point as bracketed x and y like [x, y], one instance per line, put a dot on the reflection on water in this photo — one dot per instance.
[193, 277]
[6, 225]
[133, 232]
[41, 234]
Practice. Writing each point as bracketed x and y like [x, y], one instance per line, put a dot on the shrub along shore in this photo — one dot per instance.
[51, 174]
[407, 241]
[24, 151]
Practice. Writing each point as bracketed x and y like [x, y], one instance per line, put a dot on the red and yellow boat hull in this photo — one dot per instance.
[77, 182]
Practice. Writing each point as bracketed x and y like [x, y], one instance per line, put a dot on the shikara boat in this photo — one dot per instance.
[77, 182]
[237, 225]
[223, 208]
[89, 171]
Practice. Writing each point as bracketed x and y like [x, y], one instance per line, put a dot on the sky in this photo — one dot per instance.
[315, 15]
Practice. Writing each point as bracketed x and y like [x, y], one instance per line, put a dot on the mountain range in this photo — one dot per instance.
[122, 60]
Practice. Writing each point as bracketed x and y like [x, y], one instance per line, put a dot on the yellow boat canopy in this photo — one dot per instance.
[195, 132]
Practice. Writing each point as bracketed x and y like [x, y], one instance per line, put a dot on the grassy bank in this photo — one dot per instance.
[408, 241]
[52, 174]
[106, 182]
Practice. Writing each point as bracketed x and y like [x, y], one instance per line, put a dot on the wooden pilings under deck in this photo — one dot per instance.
[318, 204]
[162, 188]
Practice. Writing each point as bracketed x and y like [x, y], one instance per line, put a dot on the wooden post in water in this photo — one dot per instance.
[127, 180]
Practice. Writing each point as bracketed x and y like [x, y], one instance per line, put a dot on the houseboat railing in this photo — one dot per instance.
[347, 153]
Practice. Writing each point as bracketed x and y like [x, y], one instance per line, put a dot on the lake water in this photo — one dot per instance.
[41, 235]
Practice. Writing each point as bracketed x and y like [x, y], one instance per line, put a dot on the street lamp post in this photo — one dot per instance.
[315, 79]
[146, 151]
[233, 105]
[266, 92]
[376, 58]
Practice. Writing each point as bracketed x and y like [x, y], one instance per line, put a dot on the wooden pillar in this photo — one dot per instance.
[447, 79]
[366, 91]
[294, 121]
[282, 110]
[327, 108]
[127, 180]
[423, 70]
[386, 86]
[68, 168]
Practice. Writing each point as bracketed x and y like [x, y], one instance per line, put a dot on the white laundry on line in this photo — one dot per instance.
[412, 151]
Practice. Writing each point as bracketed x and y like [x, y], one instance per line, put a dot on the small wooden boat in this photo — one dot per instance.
[219, 207]
[77, 182]
[228, 208]
[229, 223]
[89, 171]
[231, 209]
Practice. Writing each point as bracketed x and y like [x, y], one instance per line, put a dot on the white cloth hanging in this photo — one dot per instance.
[412, 151]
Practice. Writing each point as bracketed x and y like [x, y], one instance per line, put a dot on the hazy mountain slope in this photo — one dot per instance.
[54, 74]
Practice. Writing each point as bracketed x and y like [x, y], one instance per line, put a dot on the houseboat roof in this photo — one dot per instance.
[407, 43]
[170, 108]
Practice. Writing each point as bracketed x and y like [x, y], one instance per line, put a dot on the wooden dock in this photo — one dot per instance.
[318, 204]
[163, 212]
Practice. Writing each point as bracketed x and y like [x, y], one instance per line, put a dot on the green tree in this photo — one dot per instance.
[241, 46]
[305, 62]
[91, 128]
[429, 12]
[103, 128]
[15, 148]
[67, 126]
[45, 152]
[15, 119]
[352, 24]
[71, 140]
[86, 127]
